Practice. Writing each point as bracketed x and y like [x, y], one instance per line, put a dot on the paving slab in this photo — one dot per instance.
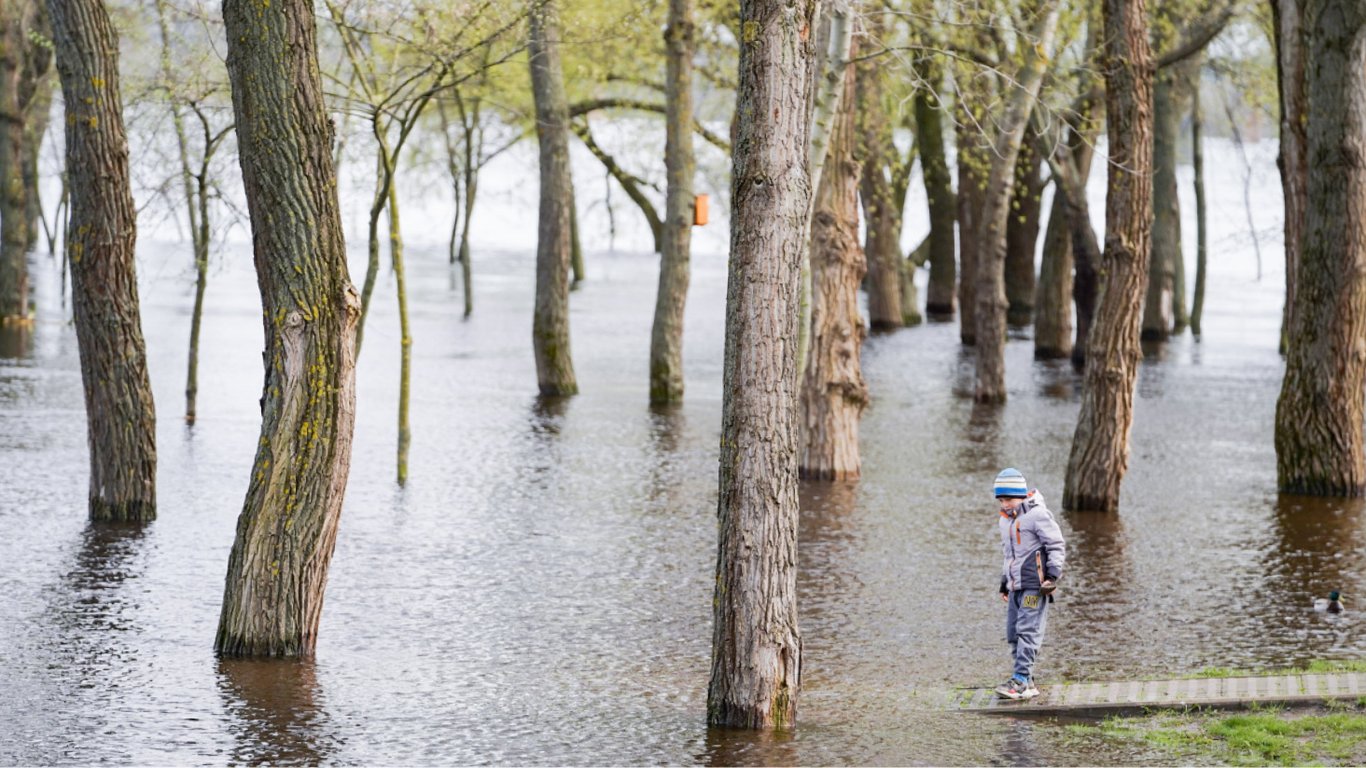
[1136, 696]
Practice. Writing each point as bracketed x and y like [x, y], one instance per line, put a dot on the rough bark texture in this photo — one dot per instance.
[972, 162]
[1159, 318]
[1022, 235]
[24, 94]
[833, 392]
[1289, 38]
[939, 295]
[666, 339]
[277, 572]
[756, 644]
[1100, 447]
[991, 233]
[1319, 413]
[881, 206]
[120, 417]
[555, 237]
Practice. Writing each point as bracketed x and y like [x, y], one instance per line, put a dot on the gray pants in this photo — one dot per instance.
[1026, 616]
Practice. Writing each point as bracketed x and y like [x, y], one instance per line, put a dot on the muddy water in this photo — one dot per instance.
[540, 591]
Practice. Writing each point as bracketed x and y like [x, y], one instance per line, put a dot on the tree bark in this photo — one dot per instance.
[120, 416]
[1022, 236]
[1201, 251]
[1159, 316]
[1100, 447]
[991, 232]
[277, 572]
[1293, 161]
[929, 112]
[550, 324]
[833, 393]
[756, 643]
[972, 162]
[24, 94]
[881, 210]
[39, 114]
[1319, 413]
[666, 337]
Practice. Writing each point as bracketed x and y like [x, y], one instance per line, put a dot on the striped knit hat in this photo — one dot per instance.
[1011, 483]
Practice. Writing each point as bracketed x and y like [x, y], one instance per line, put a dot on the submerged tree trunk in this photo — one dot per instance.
[405, 358]
[555, 237]
[120, 415]
[1291, 62]
[929, 112]
[1022, 235]
[1319, 413]
[972, 161]
[1201, 251]
[756, 644]
[1100, 447]
[277, 572]
[991, 232]
[881, 208]
[833, 393]
[1159, 316]
[666, 337]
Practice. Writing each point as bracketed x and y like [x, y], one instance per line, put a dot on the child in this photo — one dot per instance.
[1034, 554]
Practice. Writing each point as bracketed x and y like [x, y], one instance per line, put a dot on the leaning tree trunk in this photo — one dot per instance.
[939, 296]
[1100, 447]
[833, 393]
[1319, 413]
[277, 572]
[991, 232]
[1159, 310]
[666, 338]
[1022, 235]
[756, 644]
[880, 204]
[120, 416]
[555, 237]
[1061, 250]
[1288, 19]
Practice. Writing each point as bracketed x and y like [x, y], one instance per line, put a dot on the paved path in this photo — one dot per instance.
[1088, 699]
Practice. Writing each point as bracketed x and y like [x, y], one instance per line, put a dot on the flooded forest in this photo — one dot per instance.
[583, 382]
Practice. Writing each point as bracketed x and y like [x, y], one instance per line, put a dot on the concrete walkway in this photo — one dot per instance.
[1093, 699]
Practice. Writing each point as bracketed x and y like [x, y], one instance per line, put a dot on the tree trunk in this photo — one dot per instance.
[756, 644]
[555, 238]
[39, 114]
[972, 162]
[1159, 310]
[666, 338]
[377, 203]
[1198, 160]
[405, 358]
[1053, 292]
[120, 416]
[21, 65]
[833, 393]
[1319, 413]
[995, 212]
[880, 206]
[277, 572]
[1022, 236]
[1100, 447]
[929, 112]
[1288, 19]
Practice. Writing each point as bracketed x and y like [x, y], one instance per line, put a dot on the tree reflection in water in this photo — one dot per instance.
[276, 713]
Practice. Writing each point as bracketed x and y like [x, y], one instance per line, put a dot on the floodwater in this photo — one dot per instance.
[540, 592]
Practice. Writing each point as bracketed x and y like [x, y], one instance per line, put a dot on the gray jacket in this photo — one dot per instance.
[1032, 546]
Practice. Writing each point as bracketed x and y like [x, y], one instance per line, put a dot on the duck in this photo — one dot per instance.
[1330, 604]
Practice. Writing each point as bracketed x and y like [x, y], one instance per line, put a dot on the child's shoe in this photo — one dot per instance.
[1017, 689]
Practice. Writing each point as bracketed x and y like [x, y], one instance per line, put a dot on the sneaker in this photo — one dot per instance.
[1015, 688]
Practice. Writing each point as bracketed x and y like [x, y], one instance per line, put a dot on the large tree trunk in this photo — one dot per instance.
[1053, 292]
[881, 208]
[991, 233]
[1293, 161]
[1100, 447]
[939, 296]
[120, 415]
[972, 162]
[666, 338]
[1159, 316]
[756, 644]
[1319, 414]
[555, 237]
[833, 393]
[1022, 235]
[277, 572]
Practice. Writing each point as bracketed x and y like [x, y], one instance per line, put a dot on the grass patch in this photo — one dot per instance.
[1258, 737]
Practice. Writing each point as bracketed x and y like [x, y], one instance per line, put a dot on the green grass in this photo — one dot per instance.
[1331, 736]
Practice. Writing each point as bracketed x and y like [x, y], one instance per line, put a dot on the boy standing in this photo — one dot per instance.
[1034, 553]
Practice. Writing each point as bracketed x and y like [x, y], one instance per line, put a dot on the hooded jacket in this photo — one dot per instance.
[1032, 545]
